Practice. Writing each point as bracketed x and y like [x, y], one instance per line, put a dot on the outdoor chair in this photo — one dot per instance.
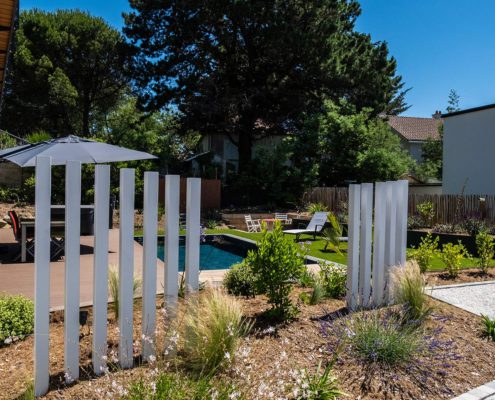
[283, 218]
[314, 227]
[16, 228]
[253, 225]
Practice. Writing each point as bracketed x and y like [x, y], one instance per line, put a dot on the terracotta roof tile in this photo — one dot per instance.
[413, 128]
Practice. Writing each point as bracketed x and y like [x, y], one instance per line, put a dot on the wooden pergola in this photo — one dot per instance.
[9, 12]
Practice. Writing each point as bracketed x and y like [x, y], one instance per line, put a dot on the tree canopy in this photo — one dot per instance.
[67, 72]
[252, 69]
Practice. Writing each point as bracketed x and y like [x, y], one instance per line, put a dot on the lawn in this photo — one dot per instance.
[316, 249]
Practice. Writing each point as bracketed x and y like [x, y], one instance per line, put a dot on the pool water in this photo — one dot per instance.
[216, 252]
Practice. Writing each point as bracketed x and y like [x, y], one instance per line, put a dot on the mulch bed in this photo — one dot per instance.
[271, 355]
[442, 278]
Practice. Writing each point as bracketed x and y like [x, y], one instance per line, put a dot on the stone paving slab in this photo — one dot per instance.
[484, 392]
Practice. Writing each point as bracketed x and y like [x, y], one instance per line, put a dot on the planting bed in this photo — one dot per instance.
[271, 356]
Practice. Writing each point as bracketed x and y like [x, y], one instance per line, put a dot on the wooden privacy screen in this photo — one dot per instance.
[210, 194]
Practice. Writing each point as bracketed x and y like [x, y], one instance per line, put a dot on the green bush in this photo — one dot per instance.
[383, 340]
[333, 278]
[239, 280]
[488, 327]
[408, 287]
[485, 248]
[277, 265]
[452, 255]
[211, 224]
[316, 207]
[426, 212]
[175, 386]
[16, 317]
[425, 252]
[307, 278]
[213, 326]
[319, 386]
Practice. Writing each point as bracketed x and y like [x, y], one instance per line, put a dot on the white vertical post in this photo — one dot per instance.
[150, 228]
[172, 197]
[100, 267]
[126, 266]
[379, 244]
[72, 255]
[365, 243]
[353, 247]
[401, 221]
[42, 275]
[193, 234]
[390, 232]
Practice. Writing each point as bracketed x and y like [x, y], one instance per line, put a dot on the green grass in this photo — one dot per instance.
[316, 249]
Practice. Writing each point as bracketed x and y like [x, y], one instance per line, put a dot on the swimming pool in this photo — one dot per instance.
[216, 252]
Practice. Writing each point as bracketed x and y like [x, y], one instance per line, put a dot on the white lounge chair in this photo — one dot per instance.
[283, 218]
[253, 225]
[315, 226]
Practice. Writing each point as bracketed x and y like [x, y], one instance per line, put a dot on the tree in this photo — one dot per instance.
[432, 158]
[252, 69]
[453, 101]
[68, 71]
[355, 146]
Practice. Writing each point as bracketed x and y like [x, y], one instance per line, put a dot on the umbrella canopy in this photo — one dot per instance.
[71, 148]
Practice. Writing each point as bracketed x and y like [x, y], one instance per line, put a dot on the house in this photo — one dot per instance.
[469, 151]
[413, 132]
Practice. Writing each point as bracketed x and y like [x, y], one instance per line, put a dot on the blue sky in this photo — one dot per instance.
[439, 44]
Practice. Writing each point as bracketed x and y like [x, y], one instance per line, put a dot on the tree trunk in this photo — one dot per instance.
[244, 148]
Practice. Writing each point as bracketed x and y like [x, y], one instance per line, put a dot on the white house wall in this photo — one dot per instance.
[469, 153]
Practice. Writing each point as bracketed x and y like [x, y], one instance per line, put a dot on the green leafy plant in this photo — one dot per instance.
[316, 296]
[16, 317]
[307, 278]
[211, 224]
[485, 247]
[408, 288]
[425, 252]
[213, 324]
[276, 265]
[333, 278]
[426, 212]
[316, 207]
[113, 287]
[488, 327]
[473, 226]
[332, 235]
[239, 280]
[383, 340]
[177, 386]
[452, 255]
[320, 385]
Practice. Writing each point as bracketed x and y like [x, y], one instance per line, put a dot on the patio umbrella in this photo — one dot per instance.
[70, 148]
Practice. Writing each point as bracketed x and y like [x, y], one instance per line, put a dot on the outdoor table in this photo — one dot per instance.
[29, 223]
[269, 220]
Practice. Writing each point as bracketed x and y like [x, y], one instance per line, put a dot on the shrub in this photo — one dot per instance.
[332, 234]
[316, 207]
[473, 226]
[276, 265]
[113, 287]
[317, 294]
[383, 340]
[426, 212]
[489, 327]
[214, 325]
[485, 249]
[211, 224]
[319, 386]
[307, 278]
[408, 288]
[414, 222]
[175, 386]
[452, 255]
[447, 228]
[239, 280]
[16, 317]
[425, 252]
[333, 278]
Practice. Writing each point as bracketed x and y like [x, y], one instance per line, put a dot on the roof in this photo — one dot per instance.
[468, 110]
[9, 12]
[415, 129]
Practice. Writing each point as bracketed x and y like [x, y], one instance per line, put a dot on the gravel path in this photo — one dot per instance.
[477, 298]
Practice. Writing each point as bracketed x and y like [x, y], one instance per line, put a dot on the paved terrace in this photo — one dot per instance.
[18, 278]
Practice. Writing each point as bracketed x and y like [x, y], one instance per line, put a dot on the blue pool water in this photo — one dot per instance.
[216, 252]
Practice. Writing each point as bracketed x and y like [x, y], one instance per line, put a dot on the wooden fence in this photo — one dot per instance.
[210, 194]
[448, 208]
